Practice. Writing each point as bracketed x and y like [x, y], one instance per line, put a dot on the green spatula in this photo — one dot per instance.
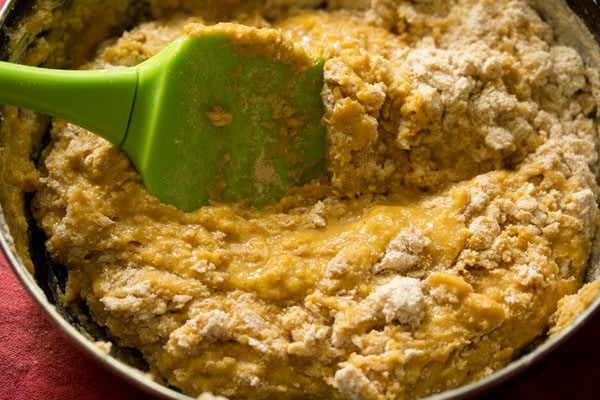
[227, 113]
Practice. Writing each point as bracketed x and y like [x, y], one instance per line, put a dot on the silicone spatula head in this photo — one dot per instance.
[227, 113]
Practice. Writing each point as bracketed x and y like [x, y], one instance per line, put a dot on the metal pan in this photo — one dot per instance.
[47, 282]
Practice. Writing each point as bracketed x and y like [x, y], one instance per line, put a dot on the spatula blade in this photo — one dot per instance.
[237, 118]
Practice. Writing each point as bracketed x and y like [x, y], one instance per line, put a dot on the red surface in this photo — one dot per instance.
[36, 363]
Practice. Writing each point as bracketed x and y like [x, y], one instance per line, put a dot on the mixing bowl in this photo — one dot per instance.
[65, 33]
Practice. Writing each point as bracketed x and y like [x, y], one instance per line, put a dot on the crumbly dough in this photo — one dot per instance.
[457, 213]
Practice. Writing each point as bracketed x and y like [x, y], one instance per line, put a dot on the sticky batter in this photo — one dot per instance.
[457, 211]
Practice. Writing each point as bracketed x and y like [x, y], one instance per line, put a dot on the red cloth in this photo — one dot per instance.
[37, 363]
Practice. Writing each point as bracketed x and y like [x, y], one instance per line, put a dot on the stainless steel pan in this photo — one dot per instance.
[18, 33]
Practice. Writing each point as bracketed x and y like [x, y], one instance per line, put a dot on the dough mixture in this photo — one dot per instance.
[458, 209]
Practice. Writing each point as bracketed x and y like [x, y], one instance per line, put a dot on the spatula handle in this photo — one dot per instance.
[97, 100]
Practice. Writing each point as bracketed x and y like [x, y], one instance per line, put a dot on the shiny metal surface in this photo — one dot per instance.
[588, 9]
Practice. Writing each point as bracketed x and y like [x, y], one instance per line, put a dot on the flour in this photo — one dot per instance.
[402, 252]
[316, 215]
[398, 300]
[354, 385]
[401, 299]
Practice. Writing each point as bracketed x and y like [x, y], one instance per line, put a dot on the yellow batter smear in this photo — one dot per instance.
[219, 117]
[458, 211]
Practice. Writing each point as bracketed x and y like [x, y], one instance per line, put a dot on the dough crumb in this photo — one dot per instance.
[354, 385]
[401, 299]
[219, 117]
[403, 251]
[105, 346]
